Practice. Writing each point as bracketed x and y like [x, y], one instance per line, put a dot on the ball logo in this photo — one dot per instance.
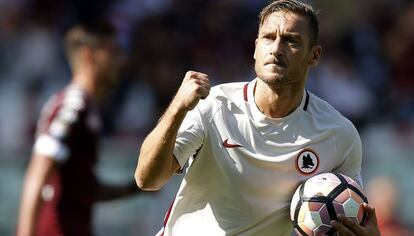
[307, 162]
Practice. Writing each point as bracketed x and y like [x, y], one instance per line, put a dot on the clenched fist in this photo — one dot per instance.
[195, 86]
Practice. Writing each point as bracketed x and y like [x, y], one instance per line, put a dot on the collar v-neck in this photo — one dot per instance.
[261, 118]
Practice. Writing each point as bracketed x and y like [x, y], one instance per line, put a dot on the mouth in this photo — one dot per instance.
[276, 66]
[277, 63]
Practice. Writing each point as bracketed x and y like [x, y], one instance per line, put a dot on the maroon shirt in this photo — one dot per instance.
[68, 132]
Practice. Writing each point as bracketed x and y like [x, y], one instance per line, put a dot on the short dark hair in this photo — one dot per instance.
[92, 34]
[297, 7]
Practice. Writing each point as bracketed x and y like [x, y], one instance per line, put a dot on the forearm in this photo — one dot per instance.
[156, 163]
[29, 208]
[39, 169]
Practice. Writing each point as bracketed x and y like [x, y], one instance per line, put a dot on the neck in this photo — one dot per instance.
[277, 102]
[86, 82]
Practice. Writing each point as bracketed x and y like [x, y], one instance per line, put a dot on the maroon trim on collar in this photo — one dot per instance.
[245, 92]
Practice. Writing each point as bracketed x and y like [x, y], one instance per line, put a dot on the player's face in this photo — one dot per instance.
[283, 52]
[109, 60]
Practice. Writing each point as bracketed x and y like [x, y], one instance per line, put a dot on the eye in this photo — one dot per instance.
[268, 38]
[292, 41]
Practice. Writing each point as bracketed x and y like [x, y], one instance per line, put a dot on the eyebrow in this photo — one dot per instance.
[290, 33]
[283, 34]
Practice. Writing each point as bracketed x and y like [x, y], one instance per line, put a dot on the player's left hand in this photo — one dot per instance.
[346, 227]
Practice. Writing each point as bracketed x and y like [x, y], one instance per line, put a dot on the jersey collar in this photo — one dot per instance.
[248, 96]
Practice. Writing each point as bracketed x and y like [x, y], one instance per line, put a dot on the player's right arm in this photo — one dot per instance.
[156, 163]
[37, 173]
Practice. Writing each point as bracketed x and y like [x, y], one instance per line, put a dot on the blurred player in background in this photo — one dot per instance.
[249, 145]
[60, 186]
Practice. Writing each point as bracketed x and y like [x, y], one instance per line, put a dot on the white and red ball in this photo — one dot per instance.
[321, 198]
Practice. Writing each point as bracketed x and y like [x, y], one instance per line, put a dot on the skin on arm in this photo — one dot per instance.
[37, 174]
[156, 163]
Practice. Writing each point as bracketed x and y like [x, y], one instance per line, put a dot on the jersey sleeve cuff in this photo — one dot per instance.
[51, 147]
[180, 161]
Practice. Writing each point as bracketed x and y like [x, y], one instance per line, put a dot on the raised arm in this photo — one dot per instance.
[156, 163]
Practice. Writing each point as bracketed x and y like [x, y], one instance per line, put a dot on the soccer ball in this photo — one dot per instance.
[319, 199]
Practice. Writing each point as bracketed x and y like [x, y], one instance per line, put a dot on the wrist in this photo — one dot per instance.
[176, 109]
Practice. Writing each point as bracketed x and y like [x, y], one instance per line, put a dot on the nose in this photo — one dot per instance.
[277, 48]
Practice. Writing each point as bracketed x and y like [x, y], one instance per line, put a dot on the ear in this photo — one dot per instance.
[255, 48]
[315, 55]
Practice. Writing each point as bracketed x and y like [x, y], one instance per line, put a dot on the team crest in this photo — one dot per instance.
[307, 162]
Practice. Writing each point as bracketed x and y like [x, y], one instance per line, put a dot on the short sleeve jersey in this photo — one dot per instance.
[244, 167]
[67, 132]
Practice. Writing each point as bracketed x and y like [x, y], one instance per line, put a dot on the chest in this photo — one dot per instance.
[270, 150]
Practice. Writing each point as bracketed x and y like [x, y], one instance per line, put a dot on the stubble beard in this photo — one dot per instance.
[273, 80]
[276, 82]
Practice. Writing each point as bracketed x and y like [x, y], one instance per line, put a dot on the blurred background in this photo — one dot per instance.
[366, 72]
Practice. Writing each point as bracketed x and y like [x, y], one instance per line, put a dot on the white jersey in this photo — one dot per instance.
[244, 167]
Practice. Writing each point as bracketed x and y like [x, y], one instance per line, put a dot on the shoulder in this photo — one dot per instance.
[63, 108]
[226, 94]
[228, 90]
[328, 117]
[69, 97]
